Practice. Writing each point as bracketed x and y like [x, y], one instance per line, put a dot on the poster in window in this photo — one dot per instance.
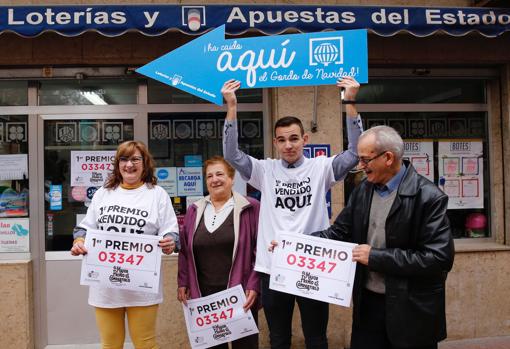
[14, 235]
[206, 128]
[417, 128]
[160, 129]
[16, 131]
[421, 155]
[461, 172]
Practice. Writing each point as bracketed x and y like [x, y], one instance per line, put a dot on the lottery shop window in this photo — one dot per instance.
[14, 183]
[188, 139]
[76, 159]
[448, 147]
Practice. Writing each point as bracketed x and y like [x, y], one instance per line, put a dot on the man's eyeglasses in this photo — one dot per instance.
[366, 161]
[135, 160]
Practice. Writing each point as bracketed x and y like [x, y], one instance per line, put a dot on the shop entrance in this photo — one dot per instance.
[74, 155]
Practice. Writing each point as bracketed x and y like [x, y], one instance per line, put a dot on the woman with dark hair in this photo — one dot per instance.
[218, 244]
[129, 191]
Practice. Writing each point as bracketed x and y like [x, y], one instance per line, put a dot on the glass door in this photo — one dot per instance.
[75, 154]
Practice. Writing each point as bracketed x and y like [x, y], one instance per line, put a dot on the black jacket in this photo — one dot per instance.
[418, 255]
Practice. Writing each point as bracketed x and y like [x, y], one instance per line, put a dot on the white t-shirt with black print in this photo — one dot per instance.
[142, 210]
[293, 200]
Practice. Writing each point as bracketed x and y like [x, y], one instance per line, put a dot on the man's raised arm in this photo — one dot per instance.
[238, 159]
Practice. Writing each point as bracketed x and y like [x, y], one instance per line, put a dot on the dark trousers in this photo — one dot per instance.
[371, 333]
[279, 307]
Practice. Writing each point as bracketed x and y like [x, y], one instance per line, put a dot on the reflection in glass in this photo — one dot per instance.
[13, 93]
[88, 92]
[61, 137]
[422, 91]
[160, 93]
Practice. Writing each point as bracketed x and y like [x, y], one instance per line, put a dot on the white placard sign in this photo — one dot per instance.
[218, 318]
[91, 168]
[122, 261]
[313, 267]
[13, 166]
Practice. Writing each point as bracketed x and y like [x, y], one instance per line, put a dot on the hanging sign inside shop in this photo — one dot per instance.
[14, 235]
[218, 318]
[313, 267]
[421, 155]
[122, 261]
[152, 20]
[13, 166]
[189, 181]
[91, 168]
[204, 64]
[461, 172]
[167, 179]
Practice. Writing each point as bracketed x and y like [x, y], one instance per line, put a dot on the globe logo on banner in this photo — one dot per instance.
[326, 51]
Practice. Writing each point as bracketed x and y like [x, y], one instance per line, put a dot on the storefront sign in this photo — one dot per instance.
[122, 261]
[167, 179]
[461, 172]
[14, 235]
[203, 65]
[13, 166]
[151, 20]
[91, 168]
[189, 181]
[315, 268]
[193, 160]
[218, 318]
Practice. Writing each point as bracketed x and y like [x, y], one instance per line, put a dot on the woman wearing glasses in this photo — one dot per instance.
[129, 192]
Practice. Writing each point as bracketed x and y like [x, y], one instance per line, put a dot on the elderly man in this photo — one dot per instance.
[406, 250]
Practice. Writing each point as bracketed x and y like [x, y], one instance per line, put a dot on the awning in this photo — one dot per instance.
[153, 20]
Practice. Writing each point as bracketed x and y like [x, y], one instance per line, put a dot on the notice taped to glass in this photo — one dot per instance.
[122, 261]
[218, 318]
[313, 267]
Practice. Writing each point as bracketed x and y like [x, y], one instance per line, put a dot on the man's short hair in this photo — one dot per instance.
[288, 121]
[386, 139]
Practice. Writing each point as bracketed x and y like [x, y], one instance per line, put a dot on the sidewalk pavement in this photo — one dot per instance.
[478, 343]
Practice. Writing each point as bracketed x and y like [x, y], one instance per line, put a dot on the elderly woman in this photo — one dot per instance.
[218, 243]
[131, 185]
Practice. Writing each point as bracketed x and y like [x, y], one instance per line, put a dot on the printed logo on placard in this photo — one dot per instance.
[308, 282]
[221, 331]
[325, 51]
[176, 79]
[193, 17]
[119, 275]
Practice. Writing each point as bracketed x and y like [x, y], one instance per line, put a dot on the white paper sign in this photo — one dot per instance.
[13, 166]
[14, 235]
[91, 168]
[167, 179]
[461, 173]
[313, 267]
[421, 155]
[218, 318]
[122, 261]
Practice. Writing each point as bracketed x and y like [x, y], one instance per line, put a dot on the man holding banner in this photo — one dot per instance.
[406, 249]
[294, 201]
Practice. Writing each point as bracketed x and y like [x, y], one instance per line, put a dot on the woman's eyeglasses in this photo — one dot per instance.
[135, 160]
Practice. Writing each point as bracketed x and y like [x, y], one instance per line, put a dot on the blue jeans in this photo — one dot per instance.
[279, 307]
